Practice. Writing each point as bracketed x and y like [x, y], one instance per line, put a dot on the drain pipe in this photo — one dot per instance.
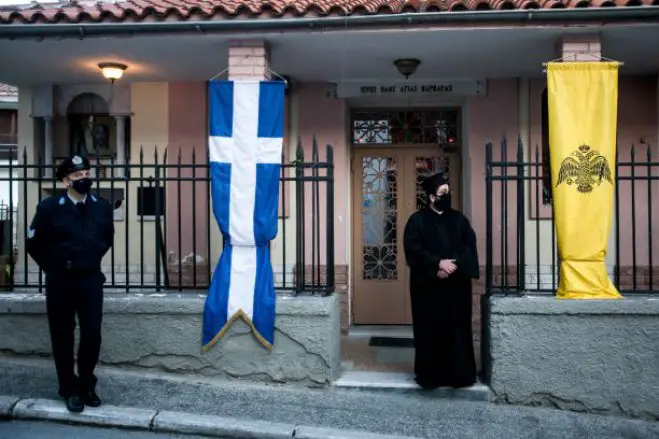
[601, 15]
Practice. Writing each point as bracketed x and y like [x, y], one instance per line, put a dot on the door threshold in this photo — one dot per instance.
[369, 331]
[395, 382]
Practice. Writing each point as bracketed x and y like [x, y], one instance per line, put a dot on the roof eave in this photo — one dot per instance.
[511, 17]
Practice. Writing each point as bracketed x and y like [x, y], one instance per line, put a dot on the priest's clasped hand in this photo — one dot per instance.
[446, 268]
[448, 265]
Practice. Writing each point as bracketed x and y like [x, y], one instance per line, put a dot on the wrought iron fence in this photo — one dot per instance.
[166, 236]
[521, 249]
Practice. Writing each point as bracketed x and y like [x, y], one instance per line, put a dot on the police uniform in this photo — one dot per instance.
[68, 240]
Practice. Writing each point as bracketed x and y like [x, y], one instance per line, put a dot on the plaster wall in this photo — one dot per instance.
[164, 333]
[595, 356]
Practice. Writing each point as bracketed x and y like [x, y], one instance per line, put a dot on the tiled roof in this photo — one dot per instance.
[143, 10]
[8, 93]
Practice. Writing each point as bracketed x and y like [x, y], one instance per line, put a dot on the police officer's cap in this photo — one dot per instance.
[72, 164]
[433, 182]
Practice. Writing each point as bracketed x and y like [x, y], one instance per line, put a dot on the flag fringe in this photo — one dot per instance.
[240, 314]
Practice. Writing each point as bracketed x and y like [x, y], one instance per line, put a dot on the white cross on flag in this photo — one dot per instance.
[246, 138]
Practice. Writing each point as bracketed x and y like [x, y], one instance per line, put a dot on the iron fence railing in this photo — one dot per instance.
[521, 249]
[166, 237]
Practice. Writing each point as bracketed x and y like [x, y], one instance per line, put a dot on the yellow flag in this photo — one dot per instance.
[583, 106]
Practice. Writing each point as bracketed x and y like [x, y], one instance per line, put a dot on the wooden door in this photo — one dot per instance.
[386, 191]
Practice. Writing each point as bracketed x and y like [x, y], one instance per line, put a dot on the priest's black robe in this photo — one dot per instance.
[441, 308]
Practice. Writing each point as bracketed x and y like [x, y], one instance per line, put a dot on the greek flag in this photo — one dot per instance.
[246, 137]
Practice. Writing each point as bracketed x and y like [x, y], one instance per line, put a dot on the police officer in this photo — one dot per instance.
[68, 238]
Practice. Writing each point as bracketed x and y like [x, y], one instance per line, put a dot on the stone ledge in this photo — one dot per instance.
[165, 303]
[217, 426]
[106, 416]
[7, 404]
[177, 422]
[635, 305]
[303, 432]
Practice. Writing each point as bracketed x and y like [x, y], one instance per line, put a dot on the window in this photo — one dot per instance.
[439, 127]
[8, 127]
[146, 201]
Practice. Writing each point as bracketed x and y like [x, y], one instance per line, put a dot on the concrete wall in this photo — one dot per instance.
[164, 333]
[596, 356]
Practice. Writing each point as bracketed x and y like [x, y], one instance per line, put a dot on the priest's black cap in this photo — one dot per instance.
[72, 164]
[431, 183]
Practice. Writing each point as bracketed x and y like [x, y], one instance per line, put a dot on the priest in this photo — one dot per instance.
[440, 248]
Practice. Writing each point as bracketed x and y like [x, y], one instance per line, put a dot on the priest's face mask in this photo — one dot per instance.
[441, 200]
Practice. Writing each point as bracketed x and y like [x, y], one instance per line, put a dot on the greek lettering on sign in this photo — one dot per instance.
[406, 89]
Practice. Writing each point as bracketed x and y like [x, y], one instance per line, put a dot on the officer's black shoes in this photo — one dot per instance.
[74, 404]
[77, 403]
[91, 399]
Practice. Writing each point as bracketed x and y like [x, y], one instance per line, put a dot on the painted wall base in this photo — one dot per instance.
[596, 356]
[163, 332]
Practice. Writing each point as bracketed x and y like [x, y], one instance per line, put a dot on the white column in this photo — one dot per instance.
[48, 145]
[121, 145]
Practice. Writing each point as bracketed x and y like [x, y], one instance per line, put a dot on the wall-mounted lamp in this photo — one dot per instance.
[112, 70]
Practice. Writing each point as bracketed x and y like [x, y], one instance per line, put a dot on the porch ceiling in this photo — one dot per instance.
[336, 56]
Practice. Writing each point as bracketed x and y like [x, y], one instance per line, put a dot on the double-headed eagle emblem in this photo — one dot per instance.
[587, 168]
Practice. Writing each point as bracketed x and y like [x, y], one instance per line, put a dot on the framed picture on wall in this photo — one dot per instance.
[92, 135]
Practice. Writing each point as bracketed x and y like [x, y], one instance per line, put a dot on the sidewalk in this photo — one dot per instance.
[161, 421]
[287, 410]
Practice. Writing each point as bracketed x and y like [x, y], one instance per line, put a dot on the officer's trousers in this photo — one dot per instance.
[67, 296]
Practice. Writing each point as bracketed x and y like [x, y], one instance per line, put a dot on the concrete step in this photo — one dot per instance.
[398, 382]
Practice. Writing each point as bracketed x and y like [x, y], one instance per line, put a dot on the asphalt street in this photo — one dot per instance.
[48, 430]
[415, 414]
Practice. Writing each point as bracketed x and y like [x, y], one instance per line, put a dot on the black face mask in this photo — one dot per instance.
[82, 186]
[442, 203]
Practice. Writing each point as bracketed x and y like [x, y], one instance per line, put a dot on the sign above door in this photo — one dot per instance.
[453, 87]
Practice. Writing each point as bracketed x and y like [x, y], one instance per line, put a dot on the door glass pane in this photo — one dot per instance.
[379, 217]
[425, 167]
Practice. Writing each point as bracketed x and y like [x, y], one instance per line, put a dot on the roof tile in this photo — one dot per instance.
[81, 11]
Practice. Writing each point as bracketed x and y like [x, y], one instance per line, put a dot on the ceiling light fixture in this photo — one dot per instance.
[112, 70]
[407, 66]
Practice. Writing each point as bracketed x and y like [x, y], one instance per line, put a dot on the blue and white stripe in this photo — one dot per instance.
[246, 138]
